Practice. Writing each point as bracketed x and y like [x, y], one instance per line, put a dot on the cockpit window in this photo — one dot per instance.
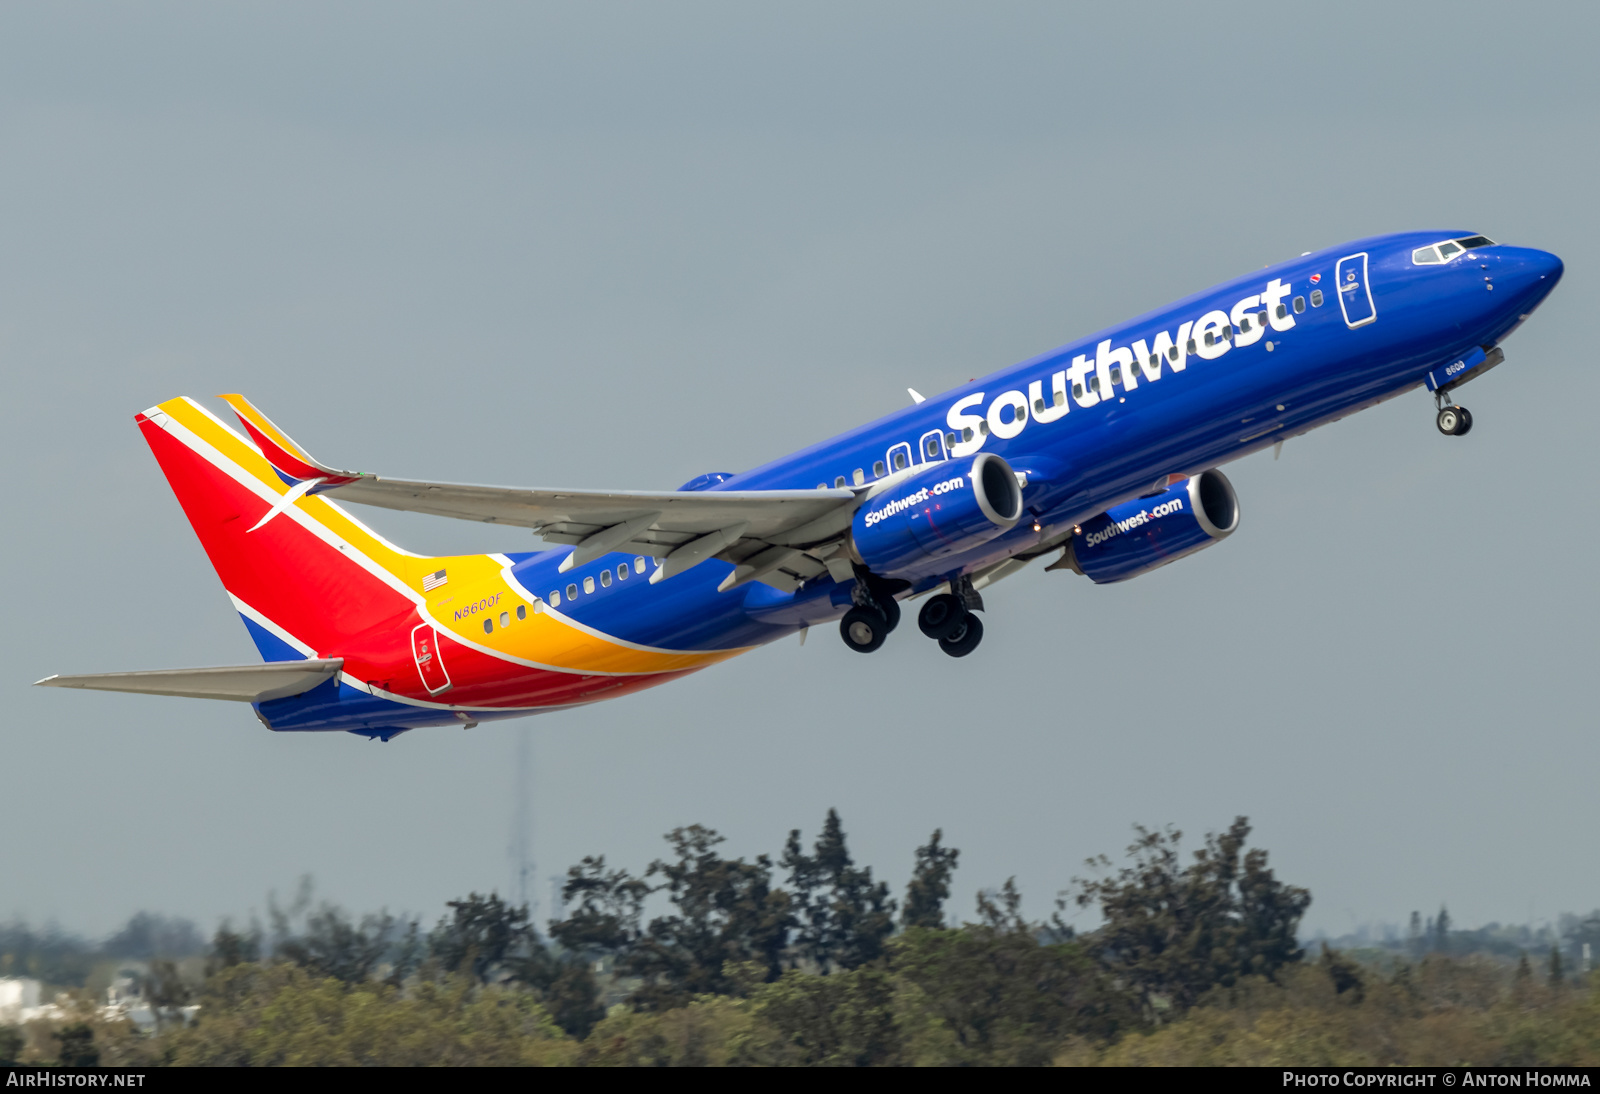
[1444, 252]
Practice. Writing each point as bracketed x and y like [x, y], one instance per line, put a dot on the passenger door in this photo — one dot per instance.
[1355, 295]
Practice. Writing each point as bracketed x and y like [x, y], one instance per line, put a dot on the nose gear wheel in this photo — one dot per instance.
[1453, 420]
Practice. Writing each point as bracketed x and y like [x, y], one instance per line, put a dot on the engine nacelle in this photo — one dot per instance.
[1141, 535]
[944, 509]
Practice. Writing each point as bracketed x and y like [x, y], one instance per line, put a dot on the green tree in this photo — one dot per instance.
[230, 948]
[1173, 931]
[1441, 930]
[1558, 976]
[335, 944]
[77, 1046]
[487, 939]
[988, 994]
[930, 883]
[607, 906]
[166, 992]
[281, 1014]
[843, 917]
[724, 910]
[1343, 973]
[847, 1019]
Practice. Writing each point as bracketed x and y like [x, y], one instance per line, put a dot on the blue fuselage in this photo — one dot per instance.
[1176, 391]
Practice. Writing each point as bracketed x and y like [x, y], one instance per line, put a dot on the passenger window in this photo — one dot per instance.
[1261, 320]
[1094, 383]
[822, 486]
[572, 592]
[1116, 376]
[1172, 354]
[1282, 311]
[638, 565]
[838, 481]
[877, 469]
[505, 619]
[859, 476]
[1061, 398]
[1299, 304]
[622, 572]
[605, 579]
[1316, 298]
[983, 427]
[1038, 406]
[900, 461]
[588, 584]
[1077, 391]
[966, 434]
[555, 599]
[1244, 325]
[522, 611]
[1211, 339]
[488, 626]
[1190, 345]
[933, 448]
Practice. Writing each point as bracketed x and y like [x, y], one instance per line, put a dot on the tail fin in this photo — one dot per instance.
[305, 575]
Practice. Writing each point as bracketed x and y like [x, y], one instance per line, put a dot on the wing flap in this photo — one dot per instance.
[238, 683]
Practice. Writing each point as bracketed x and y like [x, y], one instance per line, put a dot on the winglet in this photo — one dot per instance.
[280, 449]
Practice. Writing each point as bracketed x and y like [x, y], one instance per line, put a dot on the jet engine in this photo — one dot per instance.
[1141, 535]
[943, 509]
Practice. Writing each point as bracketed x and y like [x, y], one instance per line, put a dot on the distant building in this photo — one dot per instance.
[17, 996]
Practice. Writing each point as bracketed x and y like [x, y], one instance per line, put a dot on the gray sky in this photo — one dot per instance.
[621, 245]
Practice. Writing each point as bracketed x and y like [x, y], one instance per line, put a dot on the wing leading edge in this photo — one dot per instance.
[781, 537]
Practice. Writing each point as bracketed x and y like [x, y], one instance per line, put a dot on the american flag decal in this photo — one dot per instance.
[433, 581]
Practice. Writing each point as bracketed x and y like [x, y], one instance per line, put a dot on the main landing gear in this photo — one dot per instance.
[1453, 420]
[948, 619]
[866, 626]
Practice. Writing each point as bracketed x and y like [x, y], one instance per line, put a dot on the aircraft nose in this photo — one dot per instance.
[1526, 269]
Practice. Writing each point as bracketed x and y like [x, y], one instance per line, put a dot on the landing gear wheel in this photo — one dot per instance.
[940, 616]
[863, 629]
[891, 611]
[1453, 421]
[965, 638]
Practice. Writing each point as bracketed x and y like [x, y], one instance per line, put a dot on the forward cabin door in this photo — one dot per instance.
[1355, 294]
[425, 648]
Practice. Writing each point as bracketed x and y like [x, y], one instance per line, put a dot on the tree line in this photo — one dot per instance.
[802, 958]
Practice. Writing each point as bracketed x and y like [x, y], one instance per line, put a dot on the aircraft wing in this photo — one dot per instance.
[680, 527]
[241, 683]
[780, 537]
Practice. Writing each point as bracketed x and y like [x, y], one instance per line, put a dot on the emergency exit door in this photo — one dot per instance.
[425, 648]
[1355, 294]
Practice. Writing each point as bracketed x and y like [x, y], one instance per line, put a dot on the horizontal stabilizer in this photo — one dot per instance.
[240, 683]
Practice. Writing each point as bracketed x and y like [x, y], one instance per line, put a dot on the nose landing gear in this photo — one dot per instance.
[1453, 420]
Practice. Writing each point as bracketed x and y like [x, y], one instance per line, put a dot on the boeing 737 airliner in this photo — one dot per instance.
[1103, 452]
